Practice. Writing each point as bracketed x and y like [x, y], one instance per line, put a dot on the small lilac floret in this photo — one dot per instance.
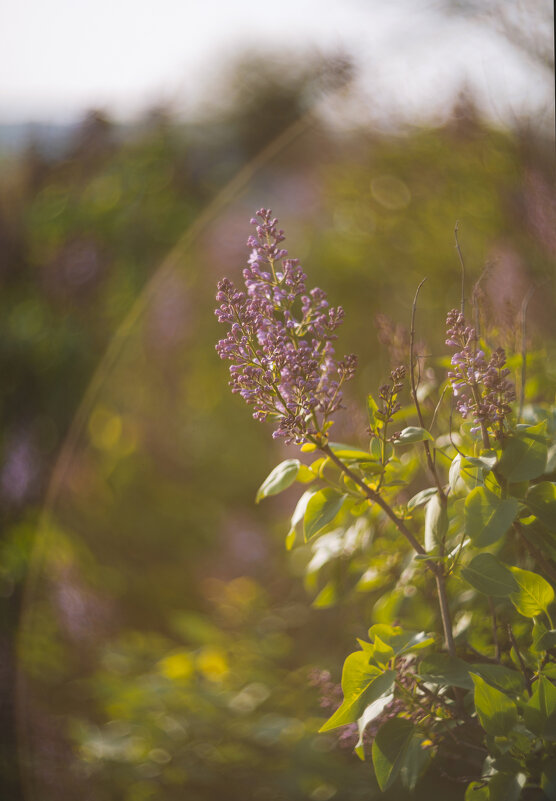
[280, 339]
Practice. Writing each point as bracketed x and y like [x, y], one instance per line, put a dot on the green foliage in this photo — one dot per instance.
[487, 516]
[279, 479]
[477, 676]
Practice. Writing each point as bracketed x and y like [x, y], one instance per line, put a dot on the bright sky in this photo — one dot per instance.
[60, 57]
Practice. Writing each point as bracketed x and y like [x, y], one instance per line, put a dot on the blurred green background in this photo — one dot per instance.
[159, 637]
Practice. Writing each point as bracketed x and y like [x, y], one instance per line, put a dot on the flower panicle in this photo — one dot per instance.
[280, 339]
[480, 385]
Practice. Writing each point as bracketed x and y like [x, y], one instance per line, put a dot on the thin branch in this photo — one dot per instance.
[494, 629]
[524, 306]
[522, 664]
[375, 498]
[437, 569]
[430, 462]
[475, 298]
[462, 264]
[437, 407]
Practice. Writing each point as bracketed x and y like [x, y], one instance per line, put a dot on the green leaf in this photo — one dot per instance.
[327, 597]
[382, 653]
[548, 778]
[372, 409]
[540, 710]
[322, 508]
[476, 791]
[297, 517]
[436, 523]
[488, 517]
[506, 786]
[524, 456]
[534, 595]
[279, 479]
[545, 641]
[486, 461]
[445, 670]
[541, 500]
[497, 713]
[305, 475]
[389, 747]
[454, 473]
[400, 641]
[290, 539]
[505, 678]
[414, 761]
[370, 713]
[421, 497]
[413, 434]
[349, 453]
[488, 575]
[362, 683]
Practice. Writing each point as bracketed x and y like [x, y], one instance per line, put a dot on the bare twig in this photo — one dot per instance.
[436, 568]
[524, 306]
[494, 629]
[430, 462]
[475, 297]
[462, 264]
[522, 664]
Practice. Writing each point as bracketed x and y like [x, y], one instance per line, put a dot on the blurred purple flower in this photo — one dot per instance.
[280, 339]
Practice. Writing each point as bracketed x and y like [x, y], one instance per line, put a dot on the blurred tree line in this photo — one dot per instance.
[165, 643]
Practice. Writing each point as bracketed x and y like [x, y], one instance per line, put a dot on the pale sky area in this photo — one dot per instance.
[59, 58]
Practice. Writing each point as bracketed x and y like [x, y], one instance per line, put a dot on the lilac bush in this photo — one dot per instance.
[456, 542]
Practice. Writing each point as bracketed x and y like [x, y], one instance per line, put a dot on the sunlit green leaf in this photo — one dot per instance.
[399, 640]
[535, 594]
[362, 683]
[413, 434]
[382, 653]
[476, 791]
[322, 508]
[349, 453]
[488, 517]
[497, 712]
[421, 497]
[372, 409]
[486, 461]
[490, 576]
[454, 473]
[279, 479]
[436, 522]
[370, 713]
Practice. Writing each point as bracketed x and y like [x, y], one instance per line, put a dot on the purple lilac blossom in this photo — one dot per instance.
[480, 386]
[280, 339]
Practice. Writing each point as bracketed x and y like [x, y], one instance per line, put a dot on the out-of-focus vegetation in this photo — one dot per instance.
[163, 651]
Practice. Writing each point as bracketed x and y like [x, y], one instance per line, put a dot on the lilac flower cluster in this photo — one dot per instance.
[480, 386]
[280, 339]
